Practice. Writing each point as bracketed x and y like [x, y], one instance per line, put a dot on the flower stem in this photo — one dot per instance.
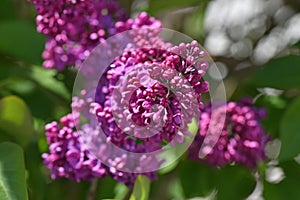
[92, 192]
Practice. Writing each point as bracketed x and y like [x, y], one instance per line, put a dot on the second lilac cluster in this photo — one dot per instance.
[241, 138]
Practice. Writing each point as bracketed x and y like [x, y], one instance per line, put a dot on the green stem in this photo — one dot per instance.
[129, 192]
[93, 190]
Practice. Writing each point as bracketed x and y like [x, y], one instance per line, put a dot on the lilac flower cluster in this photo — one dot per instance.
[74, 27]
[242, 139]
[166, 81]
[154, 96]
[143, 20]
[68, 157]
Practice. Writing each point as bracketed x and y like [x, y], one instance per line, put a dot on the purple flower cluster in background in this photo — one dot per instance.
[74, 27]
[242, 140]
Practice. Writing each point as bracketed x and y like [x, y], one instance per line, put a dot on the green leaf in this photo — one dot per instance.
[230, 182]
[46, 79]
[7, 10]
[280, 73]
[12, 173]
[194, 23]
[288, 188]
[37, 87]
[275, 106]
[156, 6]
[36, 182]
[175, 190]
[193, 126]
[107, 188]
[169, 167]
[141, 188]
[173, 157]
[234, 182]
[21, 42]
[297, 44]
[197, 179]
[289, 131]
[15, 119]
[121, 190]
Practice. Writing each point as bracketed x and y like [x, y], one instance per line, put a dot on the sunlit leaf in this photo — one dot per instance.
[15, 119]
[141, 188]
[289, 187]
[12, 173]
[193, 126]
[121, 191]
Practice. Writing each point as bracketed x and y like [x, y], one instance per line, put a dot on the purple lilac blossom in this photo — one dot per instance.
[141, 94]
[74, 27]
[143, 20]
[67, 157]
[242, 140]
[164, 63]
[154, 96]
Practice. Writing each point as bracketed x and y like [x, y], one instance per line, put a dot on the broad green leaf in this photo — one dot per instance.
[286, 189]
[197, 179]
[289, 131]
[21, 42]
[141, 188]
[230, 182]
[280, 73]
[12, 173]
[234, 182]
[15, 119]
